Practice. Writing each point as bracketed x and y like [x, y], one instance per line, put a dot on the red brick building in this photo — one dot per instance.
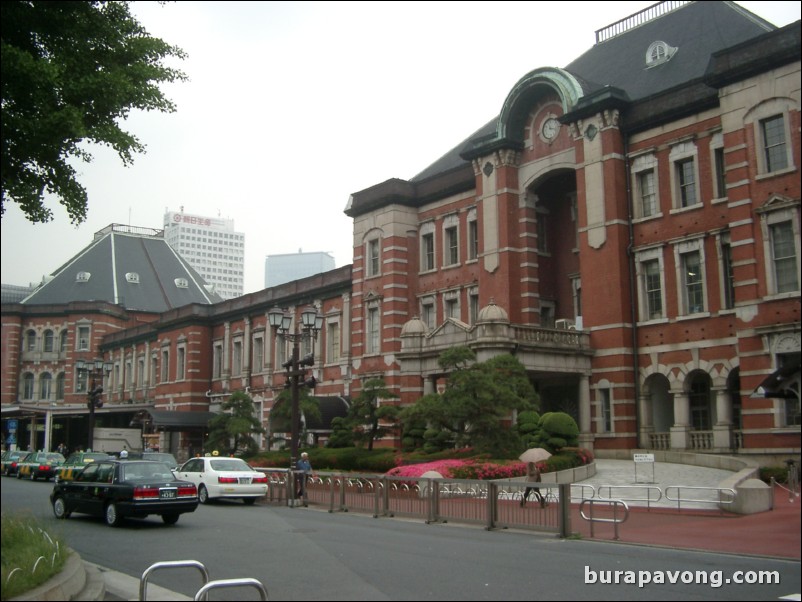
[628, 227]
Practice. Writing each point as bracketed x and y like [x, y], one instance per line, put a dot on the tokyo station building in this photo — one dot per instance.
[628, 227]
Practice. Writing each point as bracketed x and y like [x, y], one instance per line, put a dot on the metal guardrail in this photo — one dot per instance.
[615, 504]
[221, 583]
[170, 564]
[720, 490]
[648, 499]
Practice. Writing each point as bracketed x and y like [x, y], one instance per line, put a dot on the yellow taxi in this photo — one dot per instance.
[76, 461]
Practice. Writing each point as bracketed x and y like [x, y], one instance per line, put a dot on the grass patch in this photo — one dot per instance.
[26, 545]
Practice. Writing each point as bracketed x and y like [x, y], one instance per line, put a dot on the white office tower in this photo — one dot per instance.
[212, 248]
[293, 266]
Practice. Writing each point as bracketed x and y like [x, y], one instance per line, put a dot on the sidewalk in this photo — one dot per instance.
[775, 533]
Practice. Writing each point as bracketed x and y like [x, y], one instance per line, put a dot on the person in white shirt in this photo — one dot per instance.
[123, 453]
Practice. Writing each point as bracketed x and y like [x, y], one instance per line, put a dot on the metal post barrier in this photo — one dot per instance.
[615, 520]
[170, 564]
[221, 583]
[565, 510]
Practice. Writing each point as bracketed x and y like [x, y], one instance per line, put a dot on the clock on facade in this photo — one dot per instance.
[550, 128]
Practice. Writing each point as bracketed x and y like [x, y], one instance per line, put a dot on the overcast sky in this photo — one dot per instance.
[292, 106]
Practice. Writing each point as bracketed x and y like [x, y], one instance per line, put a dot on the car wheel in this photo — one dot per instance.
[32, 476]
[113, 518]
[203, 495]
[249, 501]
[60, 508]
[170, 519]
[19, 474]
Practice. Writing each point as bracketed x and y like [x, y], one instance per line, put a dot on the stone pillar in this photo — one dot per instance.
[682, 418]
[646, 421]
[586, 437]
[722, 430]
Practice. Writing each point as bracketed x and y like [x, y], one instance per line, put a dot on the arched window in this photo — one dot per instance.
[45, 386]
[47, 341]
[60, 386]
[30, 340]
[27, 386]
[699, 397]
[62, 341]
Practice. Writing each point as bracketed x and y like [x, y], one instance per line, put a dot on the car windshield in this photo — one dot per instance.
[55, 457]
[161, 457]
[234, 464]
[145, 471]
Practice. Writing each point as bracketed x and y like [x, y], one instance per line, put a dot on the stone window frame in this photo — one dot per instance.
[641, 259]
[681, 250]
[645, 163]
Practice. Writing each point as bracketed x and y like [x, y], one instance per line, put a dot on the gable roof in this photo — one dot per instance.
[131, 267]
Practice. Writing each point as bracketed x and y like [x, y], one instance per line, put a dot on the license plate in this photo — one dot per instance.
[244, 480]
[167, 494]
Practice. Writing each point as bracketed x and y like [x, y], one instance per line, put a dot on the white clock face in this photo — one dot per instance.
[550, 128]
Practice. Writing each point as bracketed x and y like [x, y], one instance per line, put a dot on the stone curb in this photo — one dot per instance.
[76, 581]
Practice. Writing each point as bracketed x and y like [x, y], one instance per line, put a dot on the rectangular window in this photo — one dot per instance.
[165, 375]
[428, 314]
[452, 254]
[783, 250]
[60, 386]
[45, 387]
[606, 411]
[473, 239]
[653, 289]
[236, 360]
[473, 301]
[542, 238]
[83, 338]
[452, 308]
[773, 130]
[686, 180]
[373, 257]
[721, 184]
[258, 354]
[694, 287]
[728, 276]
[217, 369]
[427, 252]
[180, 365]
[648, 198]
[154, 365]
[333, 343]
[373, 330]
[140, 372]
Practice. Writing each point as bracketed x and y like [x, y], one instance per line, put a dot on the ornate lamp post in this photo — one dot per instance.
[94, 369]
[311, 323]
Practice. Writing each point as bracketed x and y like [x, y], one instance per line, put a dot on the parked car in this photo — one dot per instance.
[168, 459]
[76, 462]
[39, 465]
[116, 490]
[11, 460]
[218, 477]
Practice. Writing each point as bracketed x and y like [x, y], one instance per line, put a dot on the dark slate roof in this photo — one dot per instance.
[697, 29]
[114, 256]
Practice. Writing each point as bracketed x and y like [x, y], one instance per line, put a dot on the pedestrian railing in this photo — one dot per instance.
[650, 494]
[203, 592]
[720, 496]
[493, 504]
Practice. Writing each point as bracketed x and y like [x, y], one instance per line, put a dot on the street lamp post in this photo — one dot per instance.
[94, 369]
[311, 323]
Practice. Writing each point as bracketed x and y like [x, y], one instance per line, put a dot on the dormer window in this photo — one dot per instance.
[83, 277]
[132, 277]
[659, 53]
[182, 283]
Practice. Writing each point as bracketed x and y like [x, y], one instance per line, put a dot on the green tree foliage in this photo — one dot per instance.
[528, 427]
[477, 404]
[367, 419]
[281, 414]
[71, 71]
[233, 429]
[555, 430]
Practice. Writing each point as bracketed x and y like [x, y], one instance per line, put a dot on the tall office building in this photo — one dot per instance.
[212, 247]
[292, 266]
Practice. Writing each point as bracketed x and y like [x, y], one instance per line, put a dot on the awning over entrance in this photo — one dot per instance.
[172, 420]
[777, 383]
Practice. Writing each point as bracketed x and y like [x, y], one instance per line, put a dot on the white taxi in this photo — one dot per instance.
[220, 477]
